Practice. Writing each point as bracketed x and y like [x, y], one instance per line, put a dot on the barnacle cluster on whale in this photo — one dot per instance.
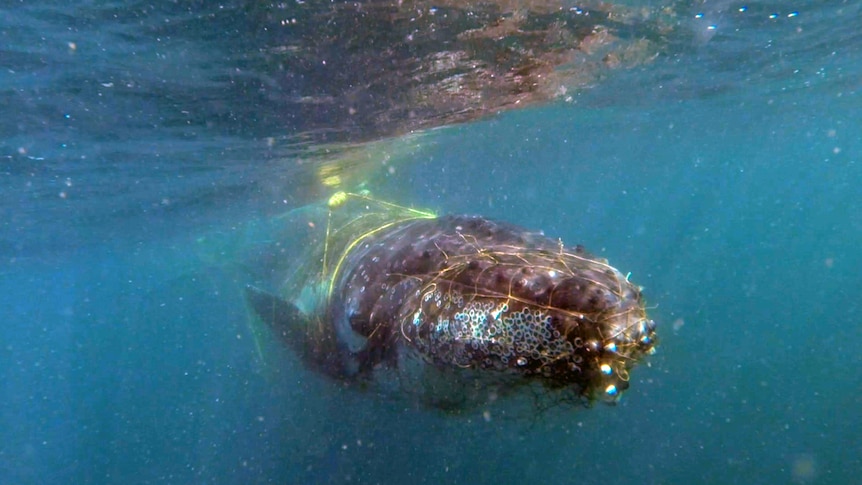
[448, 307]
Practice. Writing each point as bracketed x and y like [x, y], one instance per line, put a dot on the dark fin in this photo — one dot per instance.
[283, 317]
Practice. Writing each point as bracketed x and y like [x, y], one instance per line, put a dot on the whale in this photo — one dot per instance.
[456, 311]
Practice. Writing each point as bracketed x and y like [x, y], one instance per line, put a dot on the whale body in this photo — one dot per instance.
[460, 310]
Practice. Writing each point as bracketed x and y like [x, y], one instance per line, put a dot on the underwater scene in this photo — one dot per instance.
[466, 242]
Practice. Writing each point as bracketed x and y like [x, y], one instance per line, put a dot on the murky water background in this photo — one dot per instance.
[141, 159]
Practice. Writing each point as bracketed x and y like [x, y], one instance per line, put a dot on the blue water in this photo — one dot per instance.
[724, 176]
